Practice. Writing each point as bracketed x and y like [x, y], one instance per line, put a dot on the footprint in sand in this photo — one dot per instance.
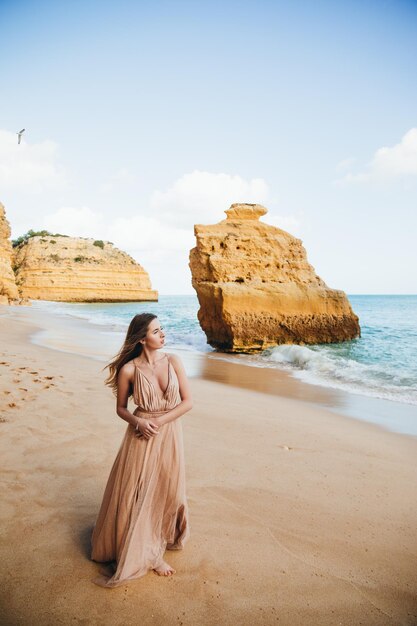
[22, 368]
[34, 373]
[22, 389]
[3, 420]
[290, 449]
[48, 377]
[4, 363]
[6, 393]
[16, 380]
[12, 405]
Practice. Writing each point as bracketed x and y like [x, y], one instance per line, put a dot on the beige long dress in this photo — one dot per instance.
[144, 509]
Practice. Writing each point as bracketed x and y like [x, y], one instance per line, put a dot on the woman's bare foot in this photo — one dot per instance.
[163, 569]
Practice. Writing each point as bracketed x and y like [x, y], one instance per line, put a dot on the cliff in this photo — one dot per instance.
[256, 288]
[73, 269]
[8, 288]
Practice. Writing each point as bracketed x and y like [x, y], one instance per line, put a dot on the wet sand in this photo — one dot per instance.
[299, 515]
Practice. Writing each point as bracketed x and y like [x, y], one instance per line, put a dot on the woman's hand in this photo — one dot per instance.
[146, 428]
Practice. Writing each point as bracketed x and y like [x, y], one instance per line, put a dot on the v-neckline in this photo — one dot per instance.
[152, 383]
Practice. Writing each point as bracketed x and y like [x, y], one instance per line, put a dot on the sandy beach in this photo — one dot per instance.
[299, 515]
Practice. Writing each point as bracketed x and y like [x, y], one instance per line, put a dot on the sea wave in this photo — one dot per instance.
[319, 366]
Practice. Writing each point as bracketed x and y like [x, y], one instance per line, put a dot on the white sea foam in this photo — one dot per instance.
[318, 366]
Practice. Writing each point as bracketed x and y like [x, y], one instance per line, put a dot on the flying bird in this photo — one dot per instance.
[19, 135]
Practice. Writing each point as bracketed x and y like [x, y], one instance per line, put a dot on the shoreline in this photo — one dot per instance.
[77, 336]
[297, 516]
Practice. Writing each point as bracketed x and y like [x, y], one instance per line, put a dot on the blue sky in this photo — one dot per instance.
[144, 118]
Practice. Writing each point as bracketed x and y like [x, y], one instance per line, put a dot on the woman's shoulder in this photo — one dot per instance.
[176, 362]
[173, 358]
[128, 368]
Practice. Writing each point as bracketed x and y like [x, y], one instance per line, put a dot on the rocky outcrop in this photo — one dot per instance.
[70, 269]
[256, 288]
[8, 288]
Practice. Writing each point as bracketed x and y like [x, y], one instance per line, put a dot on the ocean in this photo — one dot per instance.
[382, 363]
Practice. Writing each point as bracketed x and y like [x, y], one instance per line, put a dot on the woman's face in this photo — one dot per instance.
[155, 336]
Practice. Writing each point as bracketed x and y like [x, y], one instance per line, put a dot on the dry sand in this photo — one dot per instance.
[298, 515]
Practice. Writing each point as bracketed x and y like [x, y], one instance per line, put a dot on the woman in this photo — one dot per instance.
[144, 508]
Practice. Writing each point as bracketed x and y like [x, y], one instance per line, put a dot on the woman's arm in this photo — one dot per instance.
[145, 427]
[186, 403]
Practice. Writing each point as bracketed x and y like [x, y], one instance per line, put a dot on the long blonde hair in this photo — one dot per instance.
[131, 347]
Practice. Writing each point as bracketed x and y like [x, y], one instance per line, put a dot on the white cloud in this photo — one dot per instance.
[389, 163]
[34, 166]
[289, 223]
[148, 233]
[121, 178]
[76, 222]
[127, 233]
[199, 197]
[345, 164]
[399, 160]
[352, 178]
[202, 197]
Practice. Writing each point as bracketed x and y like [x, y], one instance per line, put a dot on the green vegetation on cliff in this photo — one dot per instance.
[34, 233]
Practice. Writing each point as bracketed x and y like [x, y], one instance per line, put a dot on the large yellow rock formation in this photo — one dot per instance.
[70, 269]
[8, 288]
[256, 288]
